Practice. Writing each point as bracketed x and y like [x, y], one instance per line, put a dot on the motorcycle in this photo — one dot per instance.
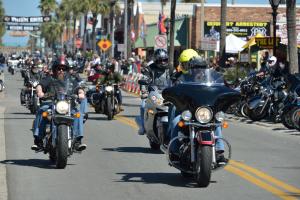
[202, 98]
[270, 102]
[32, 101]
[58, 138]
[155, 117]
[105, 100]
[1, 85]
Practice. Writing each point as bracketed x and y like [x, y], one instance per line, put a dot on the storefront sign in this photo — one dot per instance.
[38, 19]
[281, 27]
[243, 30]
[208, 44]
[266, 42]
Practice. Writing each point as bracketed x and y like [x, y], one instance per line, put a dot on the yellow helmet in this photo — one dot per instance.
[187, 55]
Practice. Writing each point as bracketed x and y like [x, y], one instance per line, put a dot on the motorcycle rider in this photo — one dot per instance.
[156, 73]
[110, 76]
[48, 86]
[186, 61]
[33, 74]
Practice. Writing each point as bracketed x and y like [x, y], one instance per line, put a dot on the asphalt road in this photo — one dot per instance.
[118, 164]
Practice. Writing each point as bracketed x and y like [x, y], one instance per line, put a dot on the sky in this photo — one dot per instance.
[30, 8]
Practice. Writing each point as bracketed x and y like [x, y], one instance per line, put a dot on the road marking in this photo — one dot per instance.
[3, 184]
[259, 183]
[266, 177]
[233, 168]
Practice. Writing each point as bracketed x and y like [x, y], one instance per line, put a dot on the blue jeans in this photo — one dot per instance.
[174, 129]
[40, 123]
[83, 106]
[142, 112]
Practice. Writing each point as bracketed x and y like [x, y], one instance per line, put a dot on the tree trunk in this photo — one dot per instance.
[172, 30]
[74, 34]
[129, 24]
[223, 33]
[84, 34]
[292, 37]
[95, 21]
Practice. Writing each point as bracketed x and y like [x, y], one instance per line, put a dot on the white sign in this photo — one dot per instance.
[161, 42]
[121, 47]
[208, 44]
[244, 57]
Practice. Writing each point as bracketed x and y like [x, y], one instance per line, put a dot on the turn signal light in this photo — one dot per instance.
[77, 115]
[45, 114]
[225, 125]
[181, 124]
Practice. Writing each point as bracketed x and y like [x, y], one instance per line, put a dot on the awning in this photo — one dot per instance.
[180, 35]
[252, 42]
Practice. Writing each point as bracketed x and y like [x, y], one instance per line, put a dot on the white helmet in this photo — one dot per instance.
[272, 61]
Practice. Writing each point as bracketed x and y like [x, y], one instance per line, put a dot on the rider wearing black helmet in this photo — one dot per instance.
[50, 85]
[156, 73]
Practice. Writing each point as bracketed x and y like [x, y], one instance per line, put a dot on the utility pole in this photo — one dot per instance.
[125, 27]
[129, 13]
[172, 30]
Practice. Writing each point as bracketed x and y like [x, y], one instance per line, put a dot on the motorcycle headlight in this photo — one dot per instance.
[62, 107]
[108, 88]
[157, 100]
[186, 115]
[35, 83]
[203, 114]
[220, 116]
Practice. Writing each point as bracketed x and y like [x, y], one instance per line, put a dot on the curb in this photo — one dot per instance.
[3, 184]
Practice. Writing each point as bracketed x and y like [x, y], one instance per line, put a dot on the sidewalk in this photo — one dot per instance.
[3, 184]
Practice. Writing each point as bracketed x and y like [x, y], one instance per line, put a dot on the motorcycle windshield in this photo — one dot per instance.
[208, 77]
[204, 87]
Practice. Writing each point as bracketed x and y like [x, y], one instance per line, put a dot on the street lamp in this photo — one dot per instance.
[274, 4]
[112, 25]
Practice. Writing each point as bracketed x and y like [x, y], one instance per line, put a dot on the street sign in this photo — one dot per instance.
[161, 42]
[38, 19]
[104, 44]
[208, 44]
[22, 28]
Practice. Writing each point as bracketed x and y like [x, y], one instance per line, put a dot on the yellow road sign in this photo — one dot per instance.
[104, 44]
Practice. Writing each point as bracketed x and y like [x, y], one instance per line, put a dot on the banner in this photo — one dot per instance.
[22, 28]
[243, 30]
[38, 19]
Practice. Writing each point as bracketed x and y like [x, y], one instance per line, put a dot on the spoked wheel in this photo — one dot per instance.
[257, 113]
[287, 118]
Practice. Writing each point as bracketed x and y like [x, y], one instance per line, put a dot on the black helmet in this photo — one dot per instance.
[161, 58]
[61, 61]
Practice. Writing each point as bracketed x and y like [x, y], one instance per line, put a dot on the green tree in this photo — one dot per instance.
[223, 33]
[52, 32]
[2, 25]
[47, 6]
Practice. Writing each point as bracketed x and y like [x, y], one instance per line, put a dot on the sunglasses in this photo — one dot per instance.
[61, 69]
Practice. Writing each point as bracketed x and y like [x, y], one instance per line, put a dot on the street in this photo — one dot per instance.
[119, 164]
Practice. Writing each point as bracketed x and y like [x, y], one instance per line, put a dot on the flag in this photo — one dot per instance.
[161, 24]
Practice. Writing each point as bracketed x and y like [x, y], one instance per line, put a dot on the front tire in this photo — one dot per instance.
[286, 118]
[62, 146]
[109, 109]
[254, 114]
[203, 165]
[154, 146]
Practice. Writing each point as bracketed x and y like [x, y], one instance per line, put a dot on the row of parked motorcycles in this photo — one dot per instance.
[199, 116]
[267, 97]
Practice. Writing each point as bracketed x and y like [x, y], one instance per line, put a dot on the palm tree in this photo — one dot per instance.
[172, 27]
[52, 32]
[292, 37]
[76, 13]
[47, 6]
[223, 33]
[2, 25]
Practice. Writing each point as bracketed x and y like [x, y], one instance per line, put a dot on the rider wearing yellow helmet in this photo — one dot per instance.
[185, 57]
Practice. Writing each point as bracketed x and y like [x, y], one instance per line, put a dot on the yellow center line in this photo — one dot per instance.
[233, 168]
[266, 177]
[259, 183]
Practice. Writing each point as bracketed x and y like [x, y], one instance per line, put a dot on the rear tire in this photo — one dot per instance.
[62, 146]
[286, 118]
[203, 165]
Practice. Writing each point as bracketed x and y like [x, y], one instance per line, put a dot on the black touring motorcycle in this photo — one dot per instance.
[201, 98]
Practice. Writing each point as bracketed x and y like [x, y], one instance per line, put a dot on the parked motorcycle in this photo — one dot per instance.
[58, 134]
[202, 98]
[270, 102]
[155, 117]
[105, 100]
